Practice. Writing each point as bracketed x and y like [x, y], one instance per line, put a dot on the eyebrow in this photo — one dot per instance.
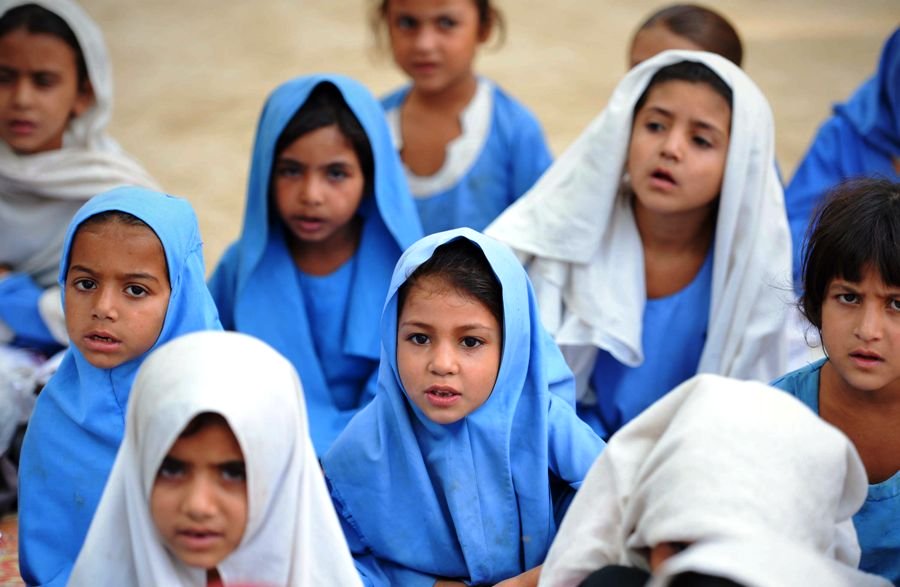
[426, 325]
[137, 275]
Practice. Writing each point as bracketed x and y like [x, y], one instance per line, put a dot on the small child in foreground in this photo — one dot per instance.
[132, 275]
[460, 469]
[216, 481]
[727, 479]
[851, 295]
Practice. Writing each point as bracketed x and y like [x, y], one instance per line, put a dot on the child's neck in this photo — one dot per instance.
[675, 248]
[429, 121]
[213, 579]
[324, 258]
[868, 418]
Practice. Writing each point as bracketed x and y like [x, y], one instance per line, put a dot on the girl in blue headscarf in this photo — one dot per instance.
[328, 214]
[462, 466]
[862, 138]
[132, 278]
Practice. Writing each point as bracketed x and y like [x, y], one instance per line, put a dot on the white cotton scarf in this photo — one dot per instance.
[578, 236]
[40, 193]
[293, 537]
[748, 475]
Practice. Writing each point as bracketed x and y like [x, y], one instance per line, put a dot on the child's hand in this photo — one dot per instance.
[526, 579]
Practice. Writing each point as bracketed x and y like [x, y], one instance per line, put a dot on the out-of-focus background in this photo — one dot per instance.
[191, 76]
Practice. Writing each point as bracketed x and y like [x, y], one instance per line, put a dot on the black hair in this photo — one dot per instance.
[462, 264]
[855, 228]
[702, 26]
[120, 217]
[688, 71]
[489, 16]
[201, 421]
[326, 106]
[38, 20]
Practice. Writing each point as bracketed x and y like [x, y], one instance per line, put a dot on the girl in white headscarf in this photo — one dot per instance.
[658, 243]
[250, 507]
[731, 479]
[54, 154]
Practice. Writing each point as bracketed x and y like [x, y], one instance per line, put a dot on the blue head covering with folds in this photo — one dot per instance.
[862, 138]
[79, 419]
[256, 284]
[469, 500]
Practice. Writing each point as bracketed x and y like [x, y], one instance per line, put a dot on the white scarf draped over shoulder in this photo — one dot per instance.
[577, 234]
[39, 193]
[292, 538]
[760, 487]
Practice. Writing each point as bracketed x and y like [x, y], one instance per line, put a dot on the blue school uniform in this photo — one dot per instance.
[19, 302]
[862, 138]
[672, 336]
[79, 419]
[878, 521]
[487, 492]
[501, 153]
[260, 291]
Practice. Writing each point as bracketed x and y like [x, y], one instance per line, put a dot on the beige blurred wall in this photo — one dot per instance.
[192, 75]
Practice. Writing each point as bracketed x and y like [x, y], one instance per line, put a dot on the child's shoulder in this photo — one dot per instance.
[394, 98]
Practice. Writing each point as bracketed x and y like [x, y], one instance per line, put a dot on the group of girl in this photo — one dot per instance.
[452, 433]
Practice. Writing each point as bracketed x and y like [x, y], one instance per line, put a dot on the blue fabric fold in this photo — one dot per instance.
[255, 284]
[483, 508]
[862, 138]
[79, 418]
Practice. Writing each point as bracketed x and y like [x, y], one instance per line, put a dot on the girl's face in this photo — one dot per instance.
[434, 41]
[199, 497]
[39, 91]
[319, 184]
[448, 350]
[861, 332]
[654, 40]
[678, 149]
[117, 292]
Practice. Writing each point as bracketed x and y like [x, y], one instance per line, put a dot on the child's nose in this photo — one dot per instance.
[426, 38]
[443, 360]
[672, 146]
[871, 322]
[105, 304]
[23, 93]
[200, 498]
[312, 192]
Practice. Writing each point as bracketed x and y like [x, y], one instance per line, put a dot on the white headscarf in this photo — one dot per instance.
[40, 193]
[736, 469]
[293, 537]
[586, 258]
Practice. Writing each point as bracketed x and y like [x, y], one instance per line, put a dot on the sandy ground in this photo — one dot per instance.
[191, 75]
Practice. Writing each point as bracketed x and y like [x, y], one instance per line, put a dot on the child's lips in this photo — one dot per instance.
[442, 396]
[21, 127]
[865, 358]
[663, 175]
[197, 539]
[307, 223]
[101, 341]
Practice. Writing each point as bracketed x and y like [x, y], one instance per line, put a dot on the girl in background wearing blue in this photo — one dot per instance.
[851, 285]
[862, 138]
[133, 278]
[55, 104]
[328, 214]
[473, 423]
[658, 243]
[469, 148]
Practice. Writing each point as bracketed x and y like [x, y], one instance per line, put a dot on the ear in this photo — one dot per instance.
[84, 100]
[485, 29]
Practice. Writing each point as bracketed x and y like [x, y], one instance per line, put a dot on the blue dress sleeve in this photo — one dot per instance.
[222, 285]
[531, 156]
[19, 296]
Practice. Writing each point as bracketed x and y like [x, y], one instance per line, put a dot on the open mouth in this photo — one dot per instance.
[442, 397]
[663, 175]
[105, 339]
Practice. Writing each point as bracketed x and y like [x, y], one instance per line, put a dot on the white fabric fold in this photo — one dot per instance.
[714, 463]
[293, 537]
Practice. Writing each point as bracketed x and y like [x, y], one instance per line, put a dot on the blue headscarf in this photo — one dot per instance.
[470, 500]
[79, 419]
[256, 284]
[862, 138]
